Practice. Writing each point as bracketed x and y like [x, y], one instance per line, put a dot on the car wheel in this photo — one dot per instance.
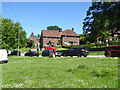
[64, 55]
[85, 55]
[78, 55]
[107, 55]
[6, 61]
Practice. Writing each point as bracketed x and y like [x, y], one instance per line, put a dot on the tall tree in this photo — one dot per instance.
[10, 34]
[102, 17]
[0, 32]
[53, 28]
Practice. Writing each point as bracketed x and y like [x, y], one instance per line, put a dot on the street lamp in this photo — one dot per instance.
[18, 39]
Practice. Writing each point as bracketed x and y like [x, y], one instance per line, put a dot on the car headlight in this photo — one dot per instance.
[56, 53]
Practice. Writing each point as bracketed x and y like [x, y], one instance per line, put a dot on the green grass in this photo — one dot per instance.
[63, 72]
[97, 53]
[61, 49]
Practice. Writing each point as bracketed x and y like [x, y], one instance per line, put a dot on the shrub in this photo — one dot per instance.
[114, 43]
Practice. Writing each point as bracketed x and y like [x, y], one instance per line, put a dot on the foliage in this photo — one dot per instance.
[0, 33]
[114, 43]
[82, 40]
[30, 44]
[102, 19]
[72, 72]
[10, 34]
[53, 28]
[97, 53]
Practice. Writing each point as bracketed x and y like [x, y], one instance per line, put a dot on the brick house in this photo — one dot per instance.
[34, 39]
[57, 38]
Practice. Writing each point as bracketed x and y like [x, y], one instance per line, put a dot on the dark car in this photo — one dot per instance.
[14, 52]
[76, 51]
[47, 52]
[32, 53]
[112, 51]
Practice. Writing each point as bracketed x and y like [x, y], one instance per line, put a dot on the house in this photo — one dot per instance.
[34, 39]
[59, 37]
[50, 36]
[69, 37]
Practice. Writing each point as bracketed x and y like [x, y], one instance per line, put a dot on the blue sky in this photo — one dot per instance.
[35, 16]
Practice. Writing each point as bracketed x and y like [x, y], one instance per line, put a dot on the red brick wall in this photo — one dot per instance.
[45, 40]
[70, 39]
[55, 40]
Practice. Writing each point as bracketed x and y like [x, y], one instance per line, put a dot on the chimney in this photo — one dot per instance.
[73, 29]
[60, 30]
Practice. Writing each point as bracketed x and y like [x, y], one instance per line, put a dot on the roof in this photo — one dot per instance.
[51, 33]
[69, 32]
[32, 37]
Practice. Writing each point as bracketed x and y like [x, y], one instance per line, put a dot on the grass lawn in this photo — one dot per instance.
[60, 72]
[97, 53]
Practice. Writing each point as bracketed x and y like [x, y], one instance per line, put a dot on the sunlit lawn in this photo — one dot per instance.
[63, 72]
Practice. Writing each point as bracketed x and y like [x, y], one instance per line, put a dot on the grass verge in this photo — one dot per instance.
[60, 72]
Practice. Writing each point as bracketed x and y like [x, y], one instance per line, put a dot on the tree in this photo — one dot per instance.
[38, 35]
[0, 32]
[10, 34]
[30, 43]
[101, 17]
[53, 28]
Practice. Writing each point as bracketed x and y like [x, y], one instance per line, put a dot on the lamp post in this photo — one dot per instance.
[18, 39]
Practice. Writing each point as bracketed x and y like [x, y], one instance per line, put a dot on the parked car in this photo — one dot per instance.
[47, 52]
[14, 52]
[112, 51]
[3, 56]
[50, 48]
[76, 51]
[32, 53]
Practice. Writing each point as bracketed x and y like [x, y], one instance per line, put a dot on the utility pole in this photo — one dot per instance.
[18, 39]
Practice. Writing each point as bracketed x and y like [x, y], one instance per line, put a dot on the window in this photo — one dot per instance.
[58, 44]
[58, 38]
[65, 42]
[75, 37]
[47, 38]
[47, 43]
[75, 43]
[65, 36]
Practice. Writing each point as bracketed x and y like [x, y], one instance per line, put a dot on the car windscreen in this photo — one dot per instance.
[51, 51]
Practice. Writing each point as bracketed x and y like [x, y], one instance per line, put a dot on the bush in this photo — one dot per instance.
[57, 46]
[114, 43]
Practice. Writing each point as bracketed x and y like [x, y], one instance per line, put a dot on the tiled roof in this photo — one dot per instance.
[69, 32]
[51, 33]
[32, 37]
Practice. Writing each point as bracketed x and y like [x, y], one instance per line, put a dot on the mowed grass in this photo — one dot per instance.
[60, 72]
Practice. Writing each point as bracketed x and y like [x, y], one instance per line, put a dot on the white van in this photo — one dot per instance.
[3, 56]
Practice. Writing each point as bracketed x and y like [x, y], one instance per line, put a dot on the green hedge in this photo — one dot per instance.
[96, 49]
